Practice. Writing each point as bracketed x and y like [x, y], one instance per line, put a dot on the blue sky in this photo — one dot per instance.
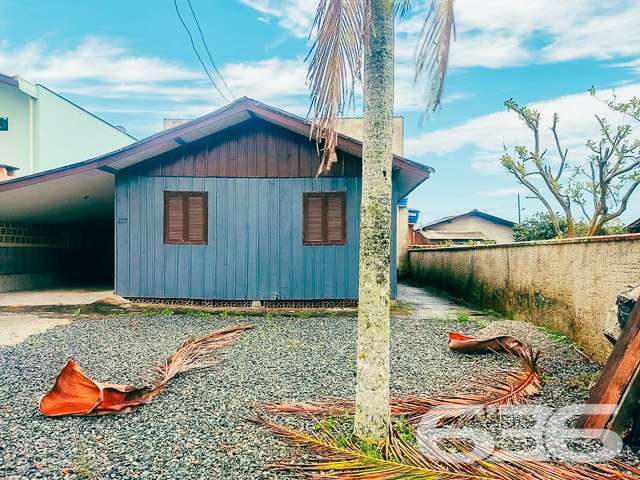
[131, 63]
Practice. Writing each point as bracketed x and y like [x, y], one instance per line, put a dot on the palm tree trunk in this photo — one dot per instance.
[372, 391]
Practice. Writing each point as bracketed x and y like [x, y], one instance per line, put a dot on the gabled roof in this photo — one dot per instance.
[411, 174]
[75, 184]
[474, 213]
[634, 227]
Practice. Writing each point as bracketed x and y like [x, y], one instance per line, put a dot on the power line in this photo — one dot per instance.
[193, 45]
[204, 42]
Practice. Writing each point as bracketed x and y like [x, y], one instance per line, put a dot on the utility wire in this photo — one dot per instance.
[193, 45]
[204, 42]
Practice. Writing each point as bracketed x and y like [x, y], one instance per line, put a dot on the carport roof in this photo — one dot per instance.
[83, 191]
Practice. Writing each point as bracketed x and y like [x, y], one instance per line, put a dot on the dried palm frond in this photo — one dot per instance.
[508, 387]
[76, 394]
[337, 457]
[194, 354]
[432, 56]
[335, 65]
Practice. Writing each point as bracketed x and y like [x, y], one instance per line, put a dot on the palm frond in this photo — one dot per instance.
[402, 7]
[508, 387]
[334, 66]
[76, 394]
[432, 56]
[339, 457]
[194, 354]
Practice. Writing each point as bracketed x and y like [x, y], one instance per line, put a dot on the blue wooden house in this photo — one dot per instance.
[226, 210]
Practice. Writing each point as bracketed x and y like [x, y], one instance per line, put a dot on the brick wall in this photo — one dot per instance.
[565, 285]
[23, 234]
[44, 256]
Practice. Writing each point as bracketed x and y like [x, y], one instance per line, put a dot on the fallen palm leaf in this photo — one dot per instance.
[343, 458]
[76, 394]
[510, 387]
[465, 344]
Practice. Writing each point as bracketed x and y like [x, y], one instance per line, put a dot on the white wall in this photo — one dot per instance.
[14, 143]
[67, 134]
[62, 133]
[472, 223]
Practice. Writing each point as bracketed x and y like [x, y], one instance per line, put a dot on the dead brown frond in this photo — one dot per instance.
[509, 387]
[335, 65]
[432, 56]
[76, 394]
[194, 354]
[340, 457]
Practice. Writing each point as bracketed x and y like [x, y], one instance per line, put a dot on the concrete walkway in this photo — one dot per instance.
[56, 296]
[432, 304]
[15, 326]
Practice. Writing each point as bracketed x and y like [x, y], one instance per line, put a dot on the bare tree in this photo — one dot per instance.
[600, 187]
[345, 32]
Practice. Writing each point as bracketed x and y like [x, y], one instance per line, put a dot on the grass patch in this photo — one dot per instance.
[499, 315]
[401, 309]
[341, 427]
[556, 336]
[481, 322]
[463, 316]
[546, 377]
[584, 382]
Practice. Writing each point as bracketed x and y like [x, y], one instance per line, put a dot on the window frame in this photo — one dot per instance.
[185, 217]
[324, 216]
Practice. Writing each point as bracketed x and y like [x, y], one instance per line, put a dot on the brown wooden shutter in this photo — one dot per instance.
[185, 217]
[197, 218]
[324, 218]
[174, 217]
[335, 221]
[313, 204]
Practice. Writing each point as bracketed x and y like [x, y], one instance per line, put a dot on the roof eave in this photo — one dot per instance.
[234, 113]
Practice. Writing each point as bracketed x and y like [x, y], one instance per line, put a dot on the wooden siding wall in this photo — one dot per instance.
[255, 248]
[254, 148]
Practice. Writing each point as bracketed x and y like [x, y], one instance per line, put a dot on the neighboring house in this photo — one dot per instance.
[473, 226]
[40, 129]
[634, 227]
[224, 209]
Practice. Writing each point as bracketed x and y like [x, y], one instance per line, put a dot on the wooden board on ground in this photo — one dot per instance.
[619, 383]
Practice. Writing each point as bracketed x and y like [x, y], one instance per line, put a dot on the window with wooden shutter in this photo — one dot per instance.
[324, 218]
[185, 217]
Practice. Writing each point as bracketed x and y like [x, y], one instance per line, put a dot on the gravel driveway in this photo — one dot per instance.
[196, 429]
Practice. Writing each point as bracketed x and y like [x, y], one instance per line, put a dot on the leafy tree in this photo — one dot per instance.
[600, 186]
[350, 36]
[540, 226]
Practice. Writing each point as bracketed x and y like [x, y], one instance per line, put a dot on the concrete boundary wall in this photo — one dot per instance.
[565, 285]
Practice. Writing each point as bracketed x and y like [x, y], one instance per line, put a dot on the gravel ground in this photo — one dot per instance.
[196, 429]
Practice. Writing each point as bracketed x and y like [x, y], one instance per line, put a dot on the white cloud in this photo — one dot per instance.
[270, 78]
[486, 135]
[500, 33]
[295, 16]
[101, 68]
